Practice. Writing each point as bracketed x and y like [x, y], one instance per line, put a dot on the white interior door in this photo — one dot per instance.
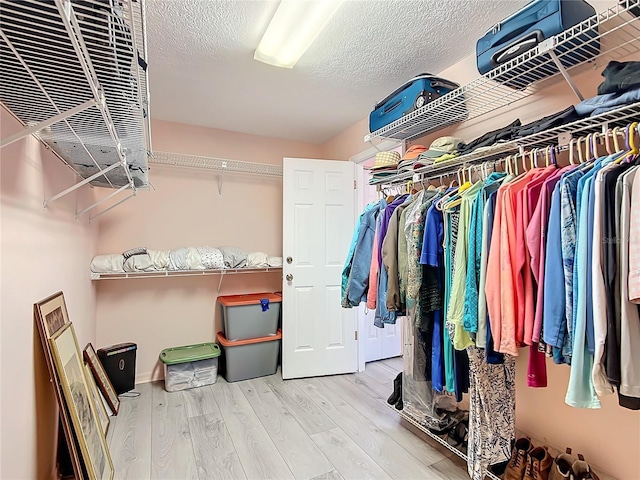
[318, 335]
[377, 343]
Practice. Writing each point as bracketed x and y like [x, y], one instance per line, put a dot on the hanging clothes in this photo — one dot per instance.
[355, 276]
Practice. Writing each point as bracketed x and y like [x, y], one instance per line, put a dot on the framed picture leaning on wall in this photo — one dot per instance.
[70, 369]
[98, 401]
[102, 380]
[50, 315]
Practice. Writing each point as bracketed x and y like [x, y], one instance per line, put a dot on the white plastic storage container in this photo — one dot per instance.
[190, 366]
[245, 359]
[248, 316]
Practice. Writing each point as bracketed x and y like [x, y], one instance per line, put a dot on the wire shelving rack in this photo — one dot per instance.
[609, 35]
[74, 73]
[595, 124]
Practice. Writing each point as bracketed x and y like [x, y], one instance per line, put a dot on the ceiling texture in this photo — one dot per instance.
[202, 70]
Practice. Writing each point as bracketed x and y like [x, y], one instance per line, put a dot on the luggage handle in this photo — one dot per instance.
[528, 21]
[393, 106]
[444, 84]
[524, 44]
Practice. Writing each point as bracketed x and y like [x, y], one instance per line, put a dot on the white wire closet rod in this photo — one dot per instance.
[609, 35]
[217, 164]
[598, 123]
[182, 273]
[58, 54]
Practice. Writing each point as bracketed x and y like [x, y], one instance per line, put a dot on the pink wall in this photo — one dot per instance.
[43, 251]
[184, 209]
[609, 437]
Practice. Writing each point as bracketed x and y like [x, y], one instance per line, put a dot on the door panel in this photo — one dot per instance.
[318, 335]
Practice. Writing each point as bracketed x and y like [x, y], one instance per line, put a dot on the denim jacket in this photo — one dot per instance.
[609, 101]
[358, 281]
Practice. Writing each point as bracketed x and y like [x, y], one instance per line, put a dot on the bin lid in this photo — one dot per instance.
[248, 299]
[189, 353]
[236, 343]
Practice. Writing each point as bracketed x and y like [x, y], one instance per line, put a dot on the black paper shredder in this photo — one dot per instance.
[119, 363]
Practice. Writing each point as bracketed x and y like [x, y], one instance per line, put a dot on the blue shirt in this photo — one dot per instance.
[554, 311]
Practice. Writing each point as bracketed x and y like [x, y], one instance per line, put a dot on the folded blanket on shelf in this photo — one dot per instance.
[274, 261]
[257, 260]
[159, 259]
[107, 264]
[139, 263]
[185, 258]
[211, 258]
[233, 257]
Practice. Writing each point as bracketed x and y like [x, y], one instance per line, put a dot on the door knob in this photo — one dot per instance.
[289, 277]
[289, 260]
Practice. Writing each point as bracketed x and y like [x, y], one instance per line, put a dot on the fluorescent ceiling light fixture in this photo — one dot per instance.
[292, 30]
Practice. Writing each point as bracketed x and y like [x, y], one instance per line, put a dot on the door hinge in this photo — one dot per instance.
[356, 335]
[354, 185]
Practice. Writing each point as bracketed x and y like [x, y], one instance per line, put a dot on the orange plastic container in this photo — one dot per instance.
[249, 316]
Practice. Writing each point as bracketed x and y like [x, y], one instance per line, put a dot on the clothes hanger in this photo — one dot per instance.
[616, 145]
[630, 141]
[571, 152]
[547, 156]
[443, 203]
[580, 151]
[554, 160]
[607, 141]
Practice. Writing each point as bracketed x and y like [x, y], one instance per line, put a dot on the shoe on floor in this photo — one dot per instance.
[397, 390]
[538, 464]
[582, 470]
[518, 463]
[562, 467]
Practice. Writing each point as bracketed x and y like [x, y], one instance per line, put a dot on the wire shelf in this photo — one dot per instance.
[57, 55]
[618, 117]
[181, 273]
[416, 423]
[219, 164]
[609, 35]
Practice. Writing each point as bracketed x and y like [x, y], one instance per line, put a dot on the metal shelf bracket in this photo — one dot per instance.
[565, 75]
[224, 168]
[102, 200]
[42, 125]
[79, 184]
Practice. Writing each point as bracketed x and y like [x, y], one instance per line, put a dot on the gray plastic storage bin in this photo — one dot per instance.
[248, 316]
[245, 359]
[190, 366]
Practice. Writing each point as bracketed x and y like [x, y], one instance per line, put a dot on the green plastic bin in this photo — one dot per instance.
[190, 366]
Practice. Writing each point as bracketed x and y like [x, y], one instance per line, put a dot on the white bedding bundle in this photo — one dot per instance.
[184, 258]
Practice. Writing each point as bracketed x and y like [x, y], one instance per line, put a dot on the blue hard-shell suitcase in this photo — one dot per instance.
[534, 23]
[415, 93]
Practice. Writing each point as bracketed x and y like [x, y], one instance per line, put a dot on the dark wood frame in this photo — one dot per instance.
[101, 378]
[65, 418]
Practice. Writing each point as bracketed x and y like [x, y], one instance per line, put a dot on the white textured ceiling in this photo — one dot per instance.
[202, 70]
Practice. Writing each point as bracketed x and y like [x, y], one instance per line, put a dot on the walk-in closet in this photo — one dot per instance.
[320, 239]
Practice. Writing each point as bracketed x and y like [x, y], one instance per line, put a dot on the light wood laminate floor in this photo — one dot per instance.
[329, 428]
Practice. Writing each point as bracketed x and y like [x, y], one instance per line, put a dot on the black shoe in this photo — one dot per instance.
[397, 390]
[399, 404]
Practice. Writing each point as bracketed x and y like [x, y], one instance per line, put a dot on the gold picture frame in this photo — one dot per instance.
[50, 315]
[70, 368]
[101, 378]
[98, 401]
